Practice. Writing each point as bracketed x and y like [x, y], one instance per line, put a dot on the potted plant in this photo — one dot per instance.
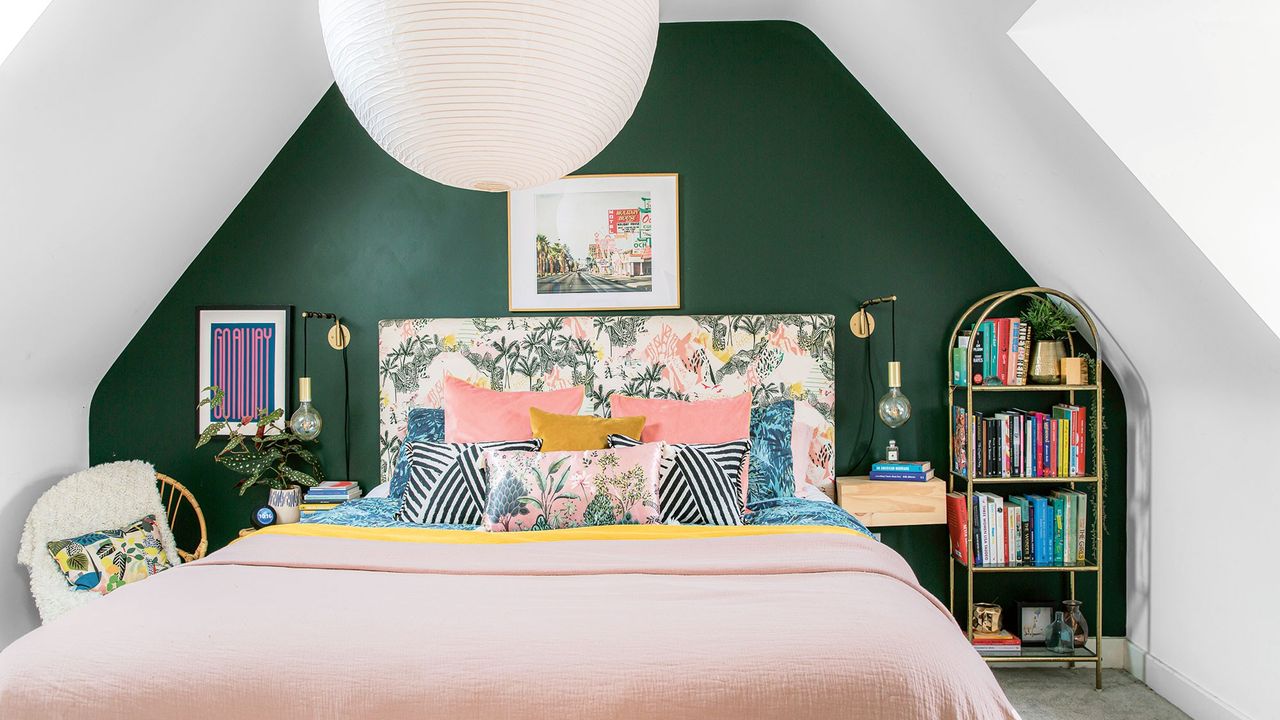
[269, 456]
[1050, 325]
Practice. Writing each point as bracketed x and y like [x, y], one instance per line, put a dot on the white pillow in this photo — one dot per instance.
[382, 490]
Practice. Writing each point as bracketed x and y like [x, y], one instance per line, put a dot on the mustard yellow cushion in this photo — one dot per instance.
[580, 432]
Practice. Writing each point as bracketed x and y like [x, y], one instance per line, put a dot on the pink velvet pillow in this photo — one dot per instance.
[555, 490]
[475, 414]
[677, 421]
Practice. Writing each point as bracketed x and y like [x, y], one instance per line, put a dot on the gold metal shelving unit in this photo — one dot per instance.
[968, 485]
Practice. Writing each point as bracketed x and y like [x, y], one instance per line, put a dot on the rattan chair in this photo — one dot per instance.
[172, 493]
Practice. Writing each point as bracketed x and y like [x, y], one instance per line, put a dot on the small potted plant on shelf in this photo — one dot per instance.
[1050, 326]
[268, 455]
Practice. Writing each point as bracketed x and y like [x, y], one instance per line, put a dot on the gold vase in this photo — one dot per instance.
[1044, 362]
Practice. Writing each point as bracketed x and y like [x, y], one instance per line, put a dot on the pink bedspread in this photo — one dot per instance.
[826, 625]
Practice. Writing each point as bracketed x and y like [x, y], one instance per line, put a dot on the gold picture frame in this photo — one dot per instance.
[592, 243]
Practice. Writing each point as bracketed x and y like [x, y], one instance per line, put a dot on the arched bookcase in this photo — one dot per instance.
[962, 479]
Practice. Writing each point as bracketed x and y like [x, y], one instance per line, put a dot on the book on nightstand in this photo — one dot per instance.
[328, 495]
[902, 470]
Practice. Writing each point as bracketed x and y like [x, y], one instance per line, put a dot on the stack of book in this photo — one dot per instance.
[900, 470]
[1000, 354]
[328, 495]
[1022, 443]
[997, 643]
[1036, 530]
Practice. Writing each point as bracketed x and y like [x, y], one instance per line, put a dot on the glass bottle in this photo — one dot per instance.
[1058, 638]
[891, 452]
[1075, 619]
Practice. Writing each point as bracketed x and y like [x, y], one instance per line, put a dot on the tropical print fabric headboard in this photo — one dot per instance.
[687, 357]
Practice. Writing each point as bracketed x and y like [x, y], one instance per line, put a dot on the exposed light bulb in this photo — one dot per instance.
[305, 421]
[894, 408]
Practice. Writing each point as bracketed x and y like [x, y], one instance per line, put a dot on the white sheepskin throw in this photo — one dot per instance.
[104, 497]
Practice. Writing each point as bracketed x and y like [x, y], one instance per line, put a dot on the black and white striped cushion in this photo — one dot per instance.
[699, 483]
[446, 483]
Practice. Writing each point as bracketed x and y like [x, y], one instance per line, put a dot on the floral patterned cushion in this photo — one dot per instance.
[771, 473]
[425, 425]
[549, 491]
[104, 560]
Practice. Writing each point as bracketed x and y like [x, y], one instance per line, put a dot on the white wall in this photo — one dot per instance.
[128, 132]
[1184, 92]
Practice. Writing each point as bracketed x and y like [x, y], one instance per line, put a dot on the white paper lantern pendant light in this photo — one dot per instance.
[491, 95]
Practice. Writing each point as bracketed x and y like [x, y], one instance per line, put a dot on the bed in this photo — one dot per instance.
[799, 612]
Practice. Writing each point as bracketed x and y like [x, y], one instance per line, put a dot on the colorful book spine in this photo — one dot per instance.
[907, 466]
[886, 476]
[978, 370]
[1024, 350]
[1002, 350]
[1059, 527]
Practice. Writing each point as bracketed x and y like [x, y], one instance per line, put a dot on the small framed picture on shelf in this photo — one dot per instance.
[1034, 619]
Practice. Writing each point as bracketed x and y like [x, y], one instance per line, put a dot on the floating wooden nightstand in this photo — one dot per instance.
[880, 503]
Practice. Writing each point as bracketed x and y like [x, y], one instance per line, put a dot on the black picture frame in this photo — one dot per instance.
[1047, 607]
[287, 350]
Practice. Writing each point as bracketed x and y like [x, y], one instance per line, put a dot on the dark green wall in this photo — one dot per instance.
[798, 194]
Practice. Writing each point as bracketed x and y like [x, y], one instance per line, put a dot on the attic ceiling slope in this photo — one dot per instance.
[130, 131]
[1180, 91]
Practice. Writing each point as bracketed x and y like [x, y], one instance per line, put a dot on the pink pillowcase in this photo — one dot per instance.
[677, 421]
[700, 421]
[554, 490]
[475, 414]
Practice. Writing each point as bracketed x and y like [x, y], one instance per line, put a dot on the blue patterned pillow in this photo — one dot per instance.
[771, 474]
[425, 424]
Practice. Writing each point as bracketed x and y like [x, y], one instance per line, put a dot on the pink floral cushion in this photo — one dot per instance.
[475, 414]
[549, 491]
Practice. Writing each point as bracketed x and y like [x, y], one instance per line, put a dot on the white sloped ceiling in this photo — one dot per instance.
[129, 130]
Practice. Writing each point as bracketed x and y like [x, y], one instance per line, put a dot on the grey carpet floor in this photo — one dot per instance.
[1062, 694]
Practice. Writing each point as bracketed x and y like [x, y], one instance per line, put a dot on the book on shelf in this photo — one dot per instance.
[997, 643]
[959, 360]
[318, 507]
[1021, 443]
[1020, 530]
[1001, 350]
[978, 368]
[957, 528]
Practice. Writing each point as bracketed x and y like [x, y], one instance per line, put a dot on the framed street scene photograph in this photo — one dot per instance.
[595, 242]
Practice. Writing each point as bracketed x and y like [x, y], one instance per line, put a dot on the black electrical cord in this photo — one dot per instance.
[346, 406]
[872, 439]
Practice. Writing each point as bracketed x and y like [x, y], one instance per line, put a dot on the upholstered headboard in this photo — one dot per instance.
[689, 357]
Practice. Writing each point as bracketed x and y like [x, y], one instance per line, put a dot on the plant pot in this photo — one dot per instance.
[1044, 362]
[286, 504]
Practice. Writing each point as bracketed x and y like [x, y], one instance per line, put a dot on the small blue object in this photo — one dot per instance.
[264, 516]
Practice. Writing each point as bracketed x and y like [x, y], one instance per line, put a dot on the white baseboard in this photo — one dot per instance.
[1137, 661]
[1190, 698]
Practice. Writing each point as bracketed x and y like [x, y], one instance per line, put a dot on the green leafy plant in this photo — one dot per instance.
[1047, 319]
[267, 456]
